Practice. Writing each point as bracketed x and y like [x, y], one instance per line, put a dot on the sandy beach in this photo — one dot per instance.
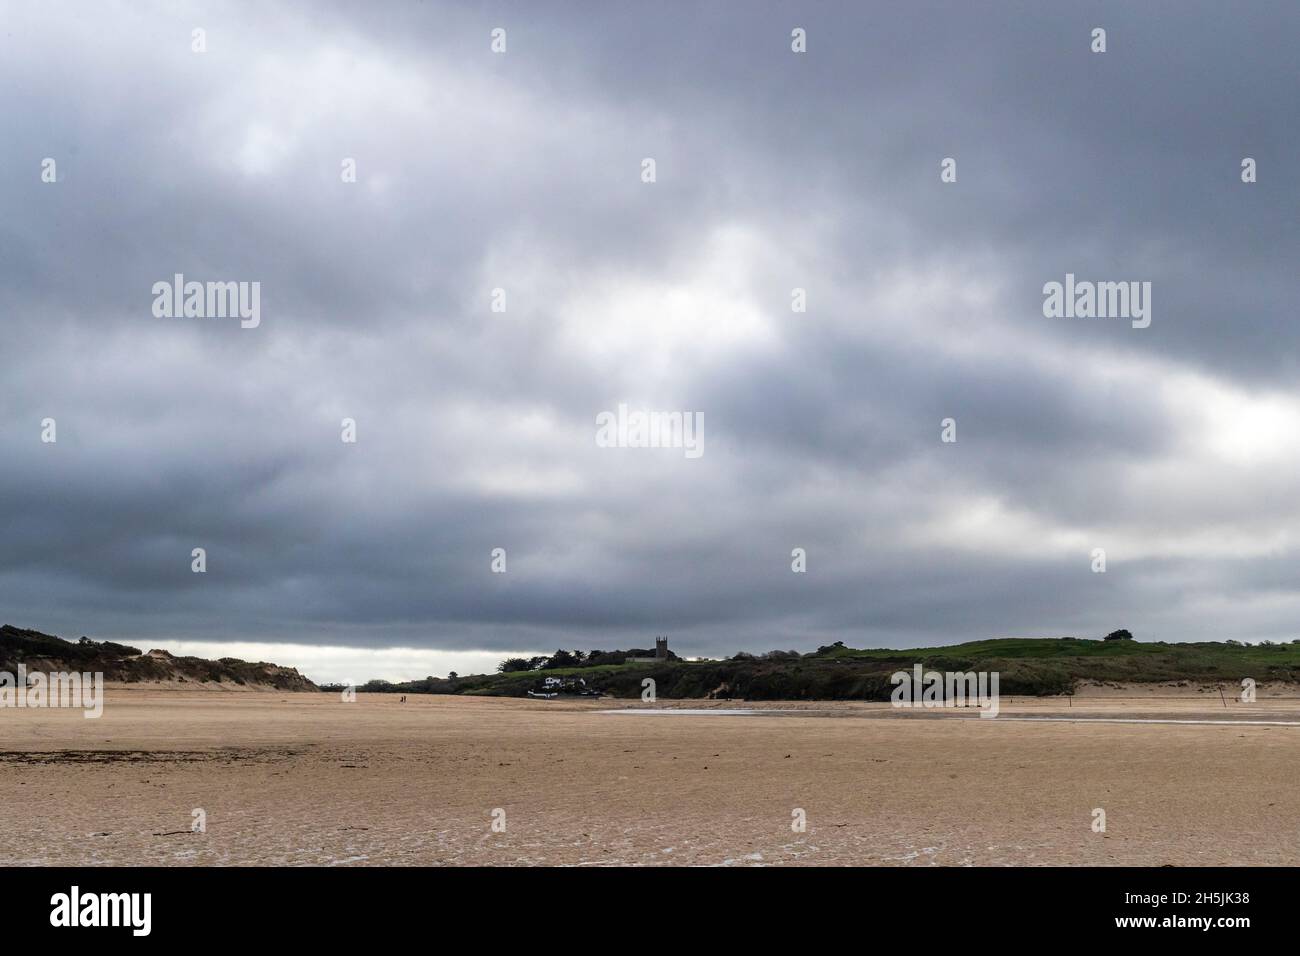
[285, 778]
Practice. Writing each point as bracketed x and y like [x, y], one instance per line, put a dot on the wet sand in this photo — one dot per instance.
[308, 779]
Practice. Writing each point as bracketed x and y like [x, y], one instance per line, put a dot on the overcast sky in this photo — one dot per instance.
[1176, 448]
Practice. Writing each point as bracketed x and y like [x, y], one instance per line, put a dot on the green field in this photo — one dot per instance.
[1027, 666]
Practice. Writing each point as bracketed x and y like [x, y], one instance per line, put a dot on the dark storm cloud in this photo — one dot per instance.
[1170, 446]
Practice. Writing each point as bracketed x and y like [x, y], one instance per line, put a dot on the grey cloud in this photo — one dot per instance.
[520, 171]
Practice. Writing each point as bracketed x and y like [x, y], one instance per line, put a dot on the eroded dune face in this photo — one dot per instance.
[306, 778]
[38, 652]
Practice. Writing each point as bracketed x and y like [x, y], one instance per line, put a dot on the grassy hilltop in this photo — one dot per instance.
[1028, 666]
[120, 662]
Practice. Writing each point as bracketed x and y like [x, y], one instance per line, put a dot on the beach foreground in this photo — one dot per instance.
[303, 778]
